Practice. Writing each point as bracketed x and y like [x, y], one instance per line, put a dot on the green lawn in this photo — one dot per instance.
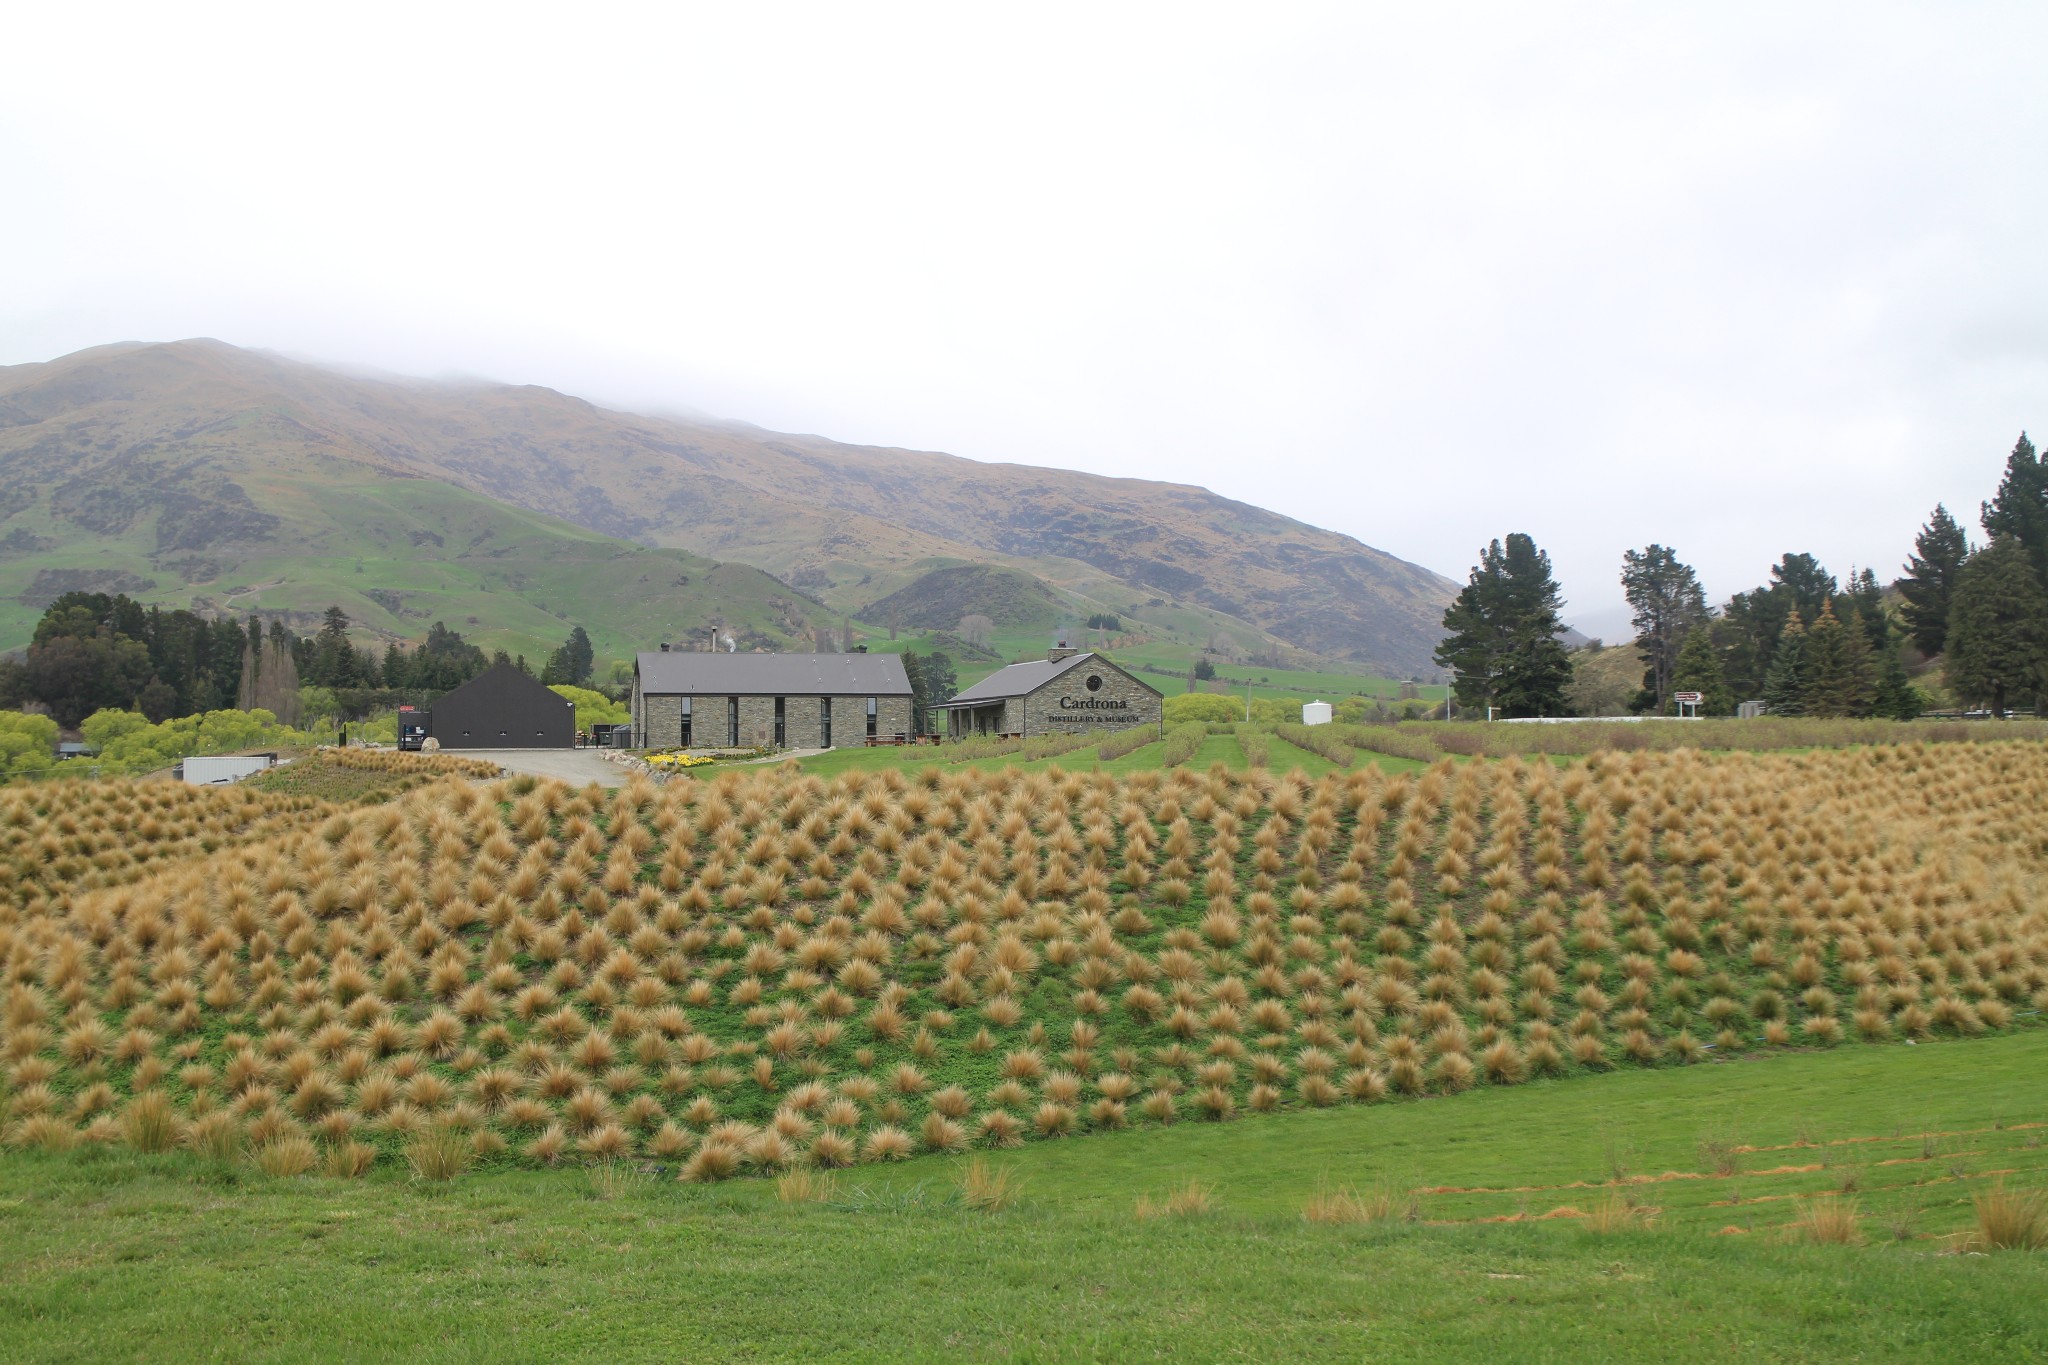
[106, 1255]
[1858, 1113]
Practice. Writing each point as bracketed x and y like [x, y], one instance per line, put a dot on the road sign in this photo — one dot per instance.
[1689, 698]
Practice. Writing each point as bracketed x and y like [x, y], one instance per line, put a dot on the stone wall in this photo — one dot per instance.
[849, 721]
[1067, 704]
[658, 722]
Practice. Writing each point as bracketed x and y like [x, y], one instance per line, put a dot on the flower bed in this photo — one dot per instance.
[674, 760]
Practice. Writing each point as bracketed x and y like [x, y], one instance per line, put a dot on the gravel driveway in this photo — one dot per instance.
[577, 766]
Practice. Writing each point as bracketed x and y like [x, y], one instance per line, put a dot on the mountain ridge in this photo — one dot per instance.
[205, 424]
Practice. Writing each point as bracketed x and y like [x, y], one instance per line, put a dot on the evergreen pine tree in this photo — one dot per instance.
[1699, 670]
[333, 660]
[2020, 507]
[1501, 633]
[1475, 630]
[1803, 583]
[1930, 582]
[1785, 684]
[1998, 627]
[1837, 675]
[582, 658]
[1894, 696]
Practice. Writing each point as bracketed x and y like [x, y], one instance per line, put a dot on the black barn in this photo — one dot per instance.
[502, 708]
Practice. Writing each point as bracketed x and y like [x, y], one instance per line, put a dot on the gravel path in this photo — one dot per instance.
[577, 766]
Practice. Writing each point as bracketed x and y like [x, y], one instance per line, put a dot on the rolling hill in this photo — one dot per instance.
[937, 600]
[201, 467]
[238, 515]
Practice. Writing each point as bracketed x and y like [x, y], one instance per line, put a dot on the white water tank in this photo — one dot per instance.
[1316, 713]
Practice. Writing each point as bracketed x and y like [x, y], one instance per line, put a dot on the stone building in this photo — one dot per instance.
[1065, 691]
[791, 701]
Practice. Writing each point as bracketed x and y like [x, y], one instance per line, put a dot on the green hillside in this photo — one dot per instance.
[397, 555]
[937, 600]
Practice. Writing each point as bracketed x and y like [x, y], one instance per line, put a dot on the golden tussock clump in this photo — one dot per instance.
[989, 1189]
[1829, 1218]
[1379, 1204]
[771, 971]
[1184, 1200]
[2010, 1220]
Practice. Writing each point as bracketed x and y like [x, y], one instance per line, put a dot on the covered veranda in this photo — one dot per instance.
[963, 721]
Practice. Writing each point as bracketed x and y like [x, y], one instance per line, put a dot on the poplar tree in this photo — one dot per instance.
[1998, 627]
[1930, 582]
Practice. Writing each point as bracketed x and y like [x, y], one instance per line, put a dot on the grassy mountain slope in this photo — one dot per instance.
[937, 600]
[849, 524]
[252, 513]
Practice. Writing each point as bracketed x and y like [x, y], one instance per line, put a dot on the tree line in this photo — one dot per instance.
[98, 651]
[1801, 643]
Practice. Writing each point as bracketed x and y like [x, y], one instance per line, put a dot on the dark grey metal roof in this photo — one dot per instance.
[1018, 680]
[757, 675]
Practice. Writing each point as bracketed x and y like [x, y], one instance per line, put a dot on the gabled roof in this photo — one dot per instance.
[754, 675]
[495, 680]
[1021, 680]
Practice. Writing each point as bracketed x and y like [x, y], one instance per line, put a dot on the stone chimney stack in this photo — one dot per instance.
[1058, 652]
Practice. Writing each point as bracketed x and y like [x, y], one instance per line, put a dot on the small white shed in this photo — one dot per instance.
[212, 771]
[1316, 713]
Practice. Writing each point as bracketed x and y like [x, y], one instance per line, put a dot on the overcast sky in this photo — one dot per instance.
[1737, 279]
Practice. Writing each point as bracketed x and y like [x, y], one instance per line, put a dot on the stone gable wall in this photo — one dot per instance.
[1120, 702]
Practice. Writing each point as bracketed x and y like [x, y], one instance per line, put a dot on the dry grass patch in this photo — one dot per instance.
[805, 1186]
[1185, 1200]
[2011, 1220]
[608, 1180]
[149, 1124]
[1379, 1204]
[1617, 1213]
[990, 1189]
[1830, 1219]
[440, 1153]
[348, 1160]
[287, 1156]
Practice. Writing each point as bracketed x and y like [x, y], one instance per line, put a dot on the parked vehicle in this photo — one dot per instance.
[414, 726]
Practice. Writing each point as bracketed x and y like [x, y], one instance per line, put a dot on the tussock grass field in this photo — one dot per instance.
[1238, 983]
[769, 970]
